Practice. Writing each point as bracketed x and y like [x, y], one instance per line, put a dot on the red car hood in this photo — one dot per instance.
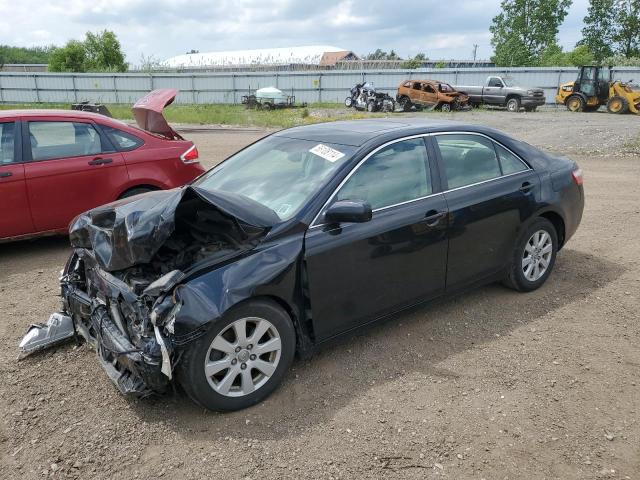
[148, 112]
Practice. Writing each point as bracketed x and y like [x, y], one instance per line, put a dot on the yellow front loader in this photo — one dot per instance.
[595, 87]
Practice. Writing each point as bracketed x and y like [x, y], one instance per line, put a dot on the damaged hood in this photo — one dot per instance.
[148, 112]
[131, 231]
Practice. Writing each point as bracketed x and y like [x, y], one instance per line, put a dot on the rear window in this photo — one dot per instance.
[50, 140]
[123, 141]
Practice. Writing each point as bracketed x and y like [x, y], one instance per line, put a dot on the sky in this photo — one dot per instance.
[159, 29]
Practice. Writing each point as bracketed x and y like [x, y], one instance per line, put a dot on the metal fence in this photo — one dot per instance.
[229, 87]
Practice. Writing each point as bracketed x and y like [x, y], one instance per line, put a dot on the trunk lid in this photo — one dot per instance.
[148, 112]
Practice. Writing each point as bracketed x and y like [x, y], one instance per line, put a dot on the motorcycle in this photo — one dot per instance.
[364, 97]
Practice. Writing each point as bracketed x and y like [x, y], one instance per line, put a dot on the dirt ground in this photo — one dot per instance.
[492, 384]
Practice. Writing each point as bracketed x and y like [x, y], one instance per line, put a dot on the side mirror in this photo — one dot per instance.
[356, 211]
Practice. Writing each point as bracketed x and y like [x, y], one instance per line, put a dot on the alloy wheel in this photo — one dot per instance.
[537, 255]
[243, 357]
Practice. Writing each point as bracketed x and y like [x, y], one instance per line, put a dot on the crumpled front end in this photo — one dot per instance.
[127, 329]
[132, 258]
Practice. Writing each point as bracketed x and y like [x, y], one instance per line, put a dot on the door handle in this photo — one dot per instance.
[526, 187]
[5, 174]
[100, 161]
[433, 217]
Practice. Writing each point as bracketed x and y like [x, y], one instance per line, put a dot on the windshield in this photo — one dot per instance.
[278, 172]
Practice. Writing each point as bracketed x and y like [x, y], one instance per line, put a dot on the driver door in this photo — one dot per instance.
[358, 272]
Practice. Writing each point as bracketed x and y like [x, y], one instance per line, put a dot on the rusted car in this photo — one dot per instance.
[432, 94]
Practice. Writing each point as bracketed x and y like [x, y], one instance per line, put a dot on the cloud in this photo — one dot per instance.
[163, 28]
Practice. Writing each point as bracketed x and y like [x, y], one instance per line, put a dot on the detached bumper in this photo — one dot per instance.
[536, 101]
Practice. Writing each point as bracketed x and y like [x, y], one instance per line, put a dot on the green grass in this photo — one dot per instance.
[230, 114]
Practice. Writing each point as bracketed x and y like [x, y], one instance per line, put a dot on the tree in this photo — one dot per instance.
[525, 28]
[415, 62]
[553, 56]
[104, 52]
[10, 54]
[99, 52]
[627, 35]
[382, 55]
[70, 58]
[599, 28]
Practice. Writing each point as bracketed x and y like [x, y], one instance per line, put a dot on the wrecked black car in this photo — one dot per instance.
[306, 234]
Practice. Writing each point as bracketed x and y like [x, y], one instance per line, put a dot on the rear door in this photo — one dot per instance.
[490, 194]
[15, 216]
[72, 167]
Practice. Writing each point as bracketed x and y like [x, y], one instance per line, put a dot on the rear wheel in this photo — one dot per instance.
[575, 103]
[348, 102]
[241, 360]
[617, 104]
[513, 104]
[445, 107]
[533, 257]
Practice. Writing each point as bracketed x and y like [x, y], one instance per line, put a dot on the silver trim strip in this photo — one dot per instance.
[420, 135]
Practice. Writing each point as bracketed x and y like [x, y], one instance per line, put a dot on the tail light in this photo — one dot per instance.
[577, 176]
[190, 156]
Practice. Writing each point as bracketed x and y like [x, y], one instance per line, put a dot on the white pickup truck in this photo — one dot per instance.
[502, 92]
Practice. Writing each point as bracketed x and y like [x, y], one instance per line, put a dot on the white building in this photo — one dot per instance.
[322, 55]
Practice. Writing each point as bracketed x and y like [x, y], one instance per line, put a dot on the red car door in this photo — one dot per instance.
[15, 218]
[71, 168]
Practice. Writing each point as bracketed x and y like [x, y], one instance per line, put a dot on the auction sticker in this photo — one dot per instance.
[327, 153]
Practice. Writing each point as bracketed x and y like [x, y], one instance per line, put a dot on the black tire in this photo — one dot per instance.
[405, 104]
[516, 278]
[575, 103]
[135, 191]
[348, 102]
[617, 104]
[371, 106]
[190, 370]
[446, 107]
[513, 104]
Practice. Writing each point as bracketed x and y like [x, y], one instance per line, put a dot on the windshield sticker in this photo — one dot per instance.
[327, 153]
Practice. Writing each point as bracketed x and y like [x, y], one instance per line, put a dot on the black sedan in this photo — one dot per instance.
[304, 235]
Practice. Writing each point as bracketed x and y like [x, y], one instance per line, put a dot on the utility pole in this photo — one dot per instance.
[475, 51]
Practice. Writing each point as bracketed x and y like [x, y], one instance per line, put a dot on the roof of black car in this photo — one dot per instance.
[358, 132]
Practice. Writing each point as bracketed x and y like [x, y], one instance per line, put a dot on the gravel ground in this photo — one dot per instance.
[491, 384]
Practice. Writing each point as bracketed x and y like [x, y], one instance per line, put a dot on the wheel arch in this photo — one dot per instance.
[148, 186]
[558, 223]
[303, 333]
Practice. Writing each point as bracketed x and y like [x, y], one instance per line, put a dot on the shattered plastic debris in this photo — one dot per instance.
[58, 329]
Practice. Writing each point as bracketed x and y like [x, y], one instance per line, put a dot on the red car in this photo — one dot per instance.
[55, 164]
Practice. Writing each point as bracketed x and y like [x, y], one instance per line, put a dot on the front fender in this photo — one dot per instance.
[271, 270]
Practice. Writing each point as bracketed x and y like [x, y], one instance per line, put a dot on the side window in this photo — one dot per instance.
[51, 140]
[7, 136]
[123, 141]
[495, 82]
[467, 159]
[509, 162]
[429, 89]
[397, 173]
[417, 86]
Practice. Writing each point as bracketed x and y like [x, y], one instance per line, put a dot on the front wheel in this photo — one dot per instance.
[348, 102]
[575, 103]
[241, 360]
[513, 104]
[445, 107]
[533, 257]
